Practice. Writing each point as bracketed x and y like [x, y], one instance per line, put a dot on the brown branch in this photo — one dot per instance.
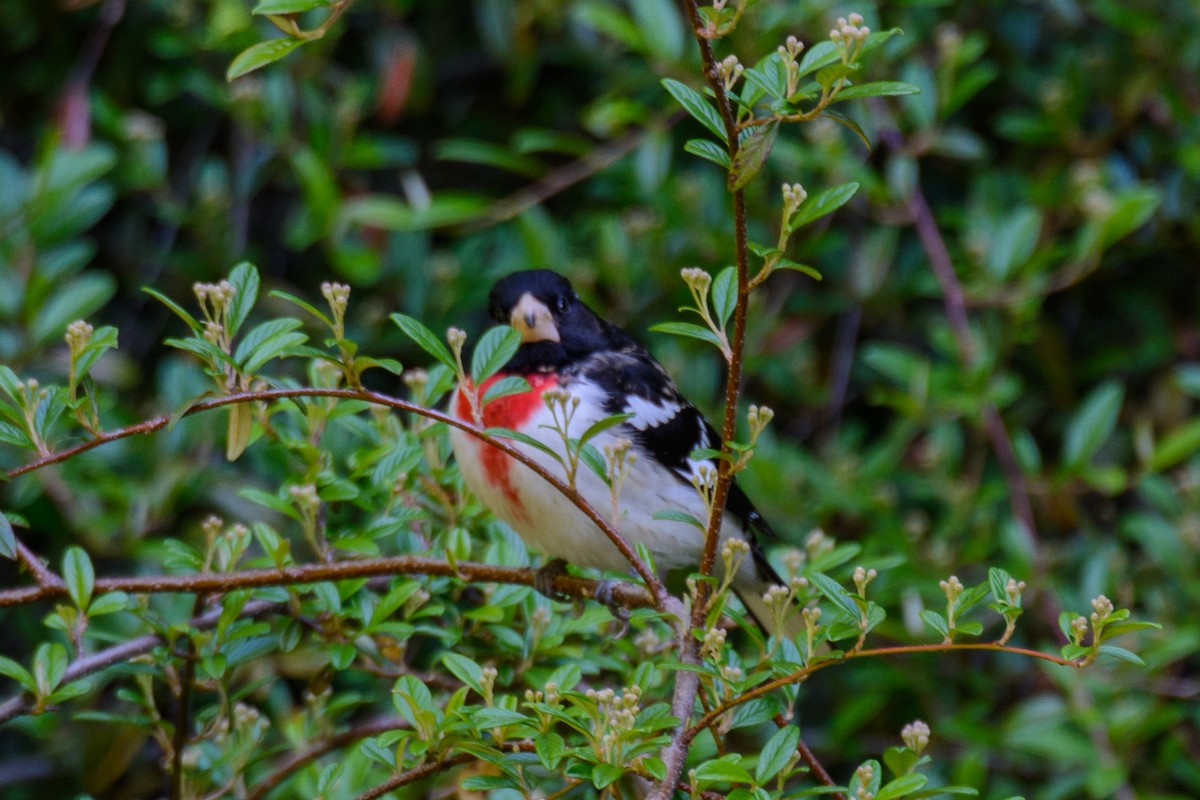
[338, 740]
[687, 683]
[562, 178]
[954, 301]
[182, 713]
[848, 655]
[425, 770]
[627, 595]
[818, 769]
[653, 584]
[41, 573]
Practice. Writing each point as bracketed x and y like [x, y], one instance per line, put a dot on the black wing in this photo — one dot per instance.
[670, 429]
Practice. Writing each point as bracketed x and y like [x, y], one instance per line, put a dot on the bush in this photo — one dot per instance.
[272, 582]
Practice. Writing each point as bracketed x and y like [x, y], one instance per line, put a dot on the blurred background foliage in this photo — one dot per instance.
[422, 149]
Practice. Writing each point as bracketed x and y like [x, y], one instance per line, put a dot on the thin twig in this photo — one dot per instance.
[337, 741]
[562, 178]
[876, 652]
[817, 768]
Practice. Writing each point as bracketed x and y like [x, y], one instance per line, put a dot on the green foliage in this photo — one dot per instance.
[416, 161]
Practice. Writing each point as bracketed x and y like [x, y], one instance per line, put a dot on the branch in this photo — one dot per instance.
[562, 178]
[425, 770]
[687, 683]
[653, 584]
[627, 595]
[841, 657]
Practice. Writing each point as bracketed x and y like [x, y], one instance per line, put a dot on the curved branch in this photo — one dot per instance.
[842, 657]
[653, 584]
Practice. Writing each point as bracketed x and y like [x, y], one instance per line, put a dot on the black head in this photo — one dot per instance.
[541, 304]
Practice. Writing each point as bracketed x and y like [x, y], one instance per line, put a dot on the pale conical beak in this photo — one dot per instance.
[533, 319]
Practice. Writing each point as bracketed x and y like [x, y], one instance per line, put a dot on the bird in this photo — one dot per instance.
[566, 347]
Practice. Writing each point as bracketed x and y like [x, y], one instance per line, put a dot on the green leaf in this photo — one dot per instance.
[108, 603]
[270, 337]
[259, 55]
[523, 438]
[18, 673]
[241, 424]
[49, 666]
[1092, 424]
[605, 774]
[690, 330]
[592, 457]
[708, 150]
[488, 154]
[393, 214]
[849, 124]
[309, 307]
[823, 203]
[698, 106]
[787, 263]
[486, 718]
[775, 754]
[287, 6]
[877, 89]
[1175, 446]
[675, 515]
[464, 669]
[245, 282]
[1121, 653]
[8, 540]
[495, 348]
[171, 304]
[751, 155]
[725, 770]
[820, 55]
[508, 385]
[836, 594]
[79, 576]
[425, 339]
[550, 749]
[74, 300]
[936, 621]
[724, 294]
[901, 786]
[601, 425]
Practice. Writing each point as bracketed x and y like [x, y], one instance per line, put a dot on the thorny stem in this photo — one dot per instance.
[653, 584]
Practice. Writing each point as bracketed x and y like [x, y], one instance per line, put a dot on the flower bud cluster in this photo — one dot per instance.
[862, 577]
[616, 715]
[758, 418]
[305, 496]
[915, 736]
[952, 587]
[793, 196]
[865, 774]
[730, 71]
[79, 333]
[714, 642]
[1012, 591]
[817, 542]
[850, 29]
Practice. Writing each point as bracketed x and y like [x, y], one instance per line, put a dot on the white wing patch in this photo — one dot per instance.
[648, 414]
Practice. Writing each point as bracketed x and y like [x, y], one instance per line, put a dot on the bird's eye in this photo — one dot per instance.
[560, 305]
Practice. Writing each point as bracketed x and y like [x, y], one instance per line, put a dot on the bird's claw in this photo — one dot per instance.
[605, 593]
[544, 577]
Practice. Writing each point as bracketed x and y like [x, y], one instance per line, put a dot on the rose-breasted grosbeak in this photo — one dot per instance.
[566, 346]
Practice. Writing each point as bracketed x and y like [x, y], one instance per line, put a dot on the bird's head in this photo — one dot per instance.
[543, 306]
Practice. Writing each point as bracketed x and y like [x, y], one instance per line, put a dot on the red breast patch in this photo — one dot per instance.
[511, 411]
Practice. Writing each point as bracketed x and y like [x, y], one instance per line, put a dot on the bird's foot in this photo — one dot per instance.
[544, 577]
[606, 594]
